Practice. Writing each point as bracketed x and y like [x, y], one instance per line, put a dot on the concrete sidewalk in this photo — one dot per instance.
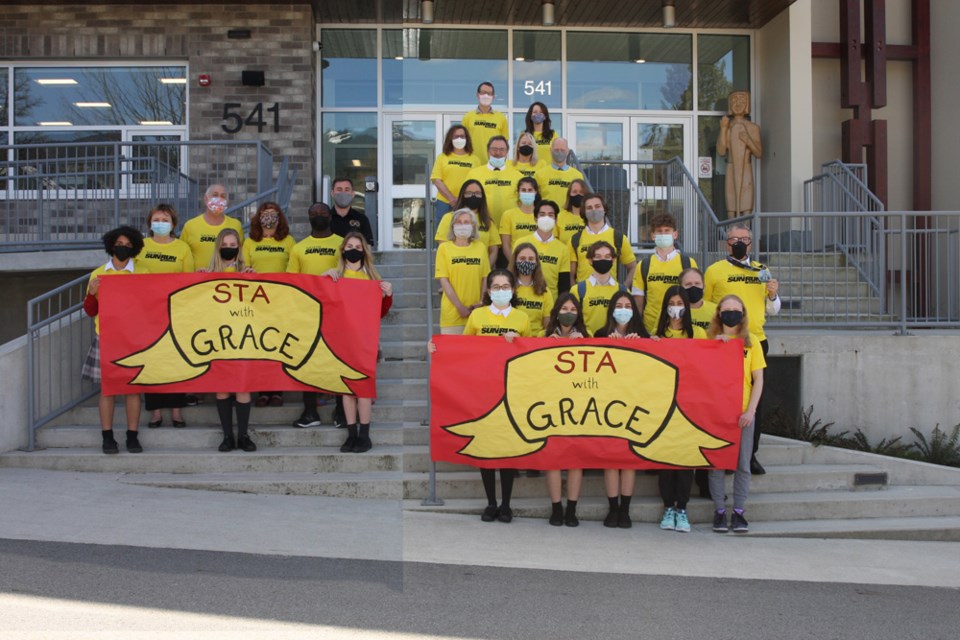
[104, 509]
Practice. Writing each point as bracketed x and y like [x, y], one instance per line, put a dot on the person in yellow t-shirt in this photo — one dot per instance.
[660, 270]
[538, 124]
[122, 244]
[597, 229]
[483, 122]
[555, 176]
[533, 296]
[701, 311]
[499, 181]
[451, 168]
[201, 232]
[317, 253]
[525, 159]
[519, 221]
[554, 254]
[570, 220]
[462, 263]
[595, 291]
[473, 197]
[732, 321]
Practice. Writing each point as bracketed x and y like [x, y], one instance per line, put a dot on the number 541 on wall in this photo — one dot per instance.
[543, 88]
[234, 120]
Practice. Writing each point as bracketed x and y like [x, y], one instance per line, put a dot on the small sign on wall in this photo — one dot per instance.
[705, 164]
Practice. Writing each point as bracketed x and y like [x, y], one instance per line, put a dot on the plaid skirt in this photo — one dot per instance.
[91, 365]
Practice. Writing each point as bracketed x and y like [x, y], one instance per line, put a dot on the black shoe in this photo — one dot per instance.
[720, 522]
[612, 519]
[227, 444]
[570, 518]
[351, 442]
[533, 473]
[490, 513]
[505, 514]
[244, 442]
[191, 400]
[307, 419]
[556, 515]
[179, 424]
[756, 468]
[155, 424]
[738, 523]
[133, 443]
[363, 443]
[624, 521]
[110, 445]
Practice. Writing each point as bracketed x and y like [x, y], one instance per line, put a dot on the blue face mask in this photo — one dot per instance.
[161, 229]
[501, 298]
[497, 163]
[622, 316]
[527, 198]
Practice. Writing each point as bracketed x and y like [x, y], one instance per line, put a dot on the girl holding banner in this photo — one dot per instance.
[729, 323]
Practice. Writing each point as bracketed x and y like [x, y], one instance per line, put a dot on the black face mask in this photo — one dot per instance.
[695, 294]
[472, 202]
[739, 250]
[526, 150]
[229, 253]
[121, 252]
[576, 201]
[602, 266]
[731, 318]
[320, 223]
[353, 255]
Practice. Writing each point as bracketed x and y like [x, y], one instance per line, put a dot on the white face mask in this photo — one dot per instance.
[675, 312]
[459, 143]
[463, 230]
[546, 224]
[486, 100]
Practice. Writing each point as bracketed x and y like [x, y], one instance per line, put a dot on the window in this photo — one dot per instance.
[537, 69]
[348, 67]
[723, 65]
[349, 146]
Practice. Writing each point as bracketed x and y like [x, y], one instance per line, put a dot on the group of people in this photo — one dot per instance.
[339, 246]
[525, 250]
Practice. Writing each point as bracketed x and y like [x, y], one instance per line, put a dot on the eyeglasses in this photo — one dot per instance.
[500, 287]
[733, 241]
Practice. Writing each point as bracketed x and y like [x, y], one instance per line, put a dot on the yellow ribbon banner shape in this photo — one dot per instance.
[597, 391]
[242, 320]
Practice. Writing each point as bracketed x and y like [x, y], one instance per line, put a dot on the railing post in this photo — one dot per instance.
[31, 383]
[431, 500]
[117, 177]
[903, 276]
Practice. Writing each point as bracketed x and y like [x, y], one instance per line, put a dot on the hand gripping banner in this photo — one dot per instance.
[238, 332]
[543, 403]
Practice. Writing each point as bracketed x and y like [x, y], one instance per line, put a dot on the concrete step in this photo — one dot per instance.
[814, 274]
[850, 308]
[776, 259]
[404, 349]
[413, 331]
[409, 316]
[807, 290]
[929, 528]
[373, 485]
[401, 257]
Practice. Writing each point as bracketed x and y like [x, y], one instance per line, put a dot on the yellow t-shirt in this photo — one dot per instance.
[554, 259]
[315, 256]
[172, 257]
[482, 127]
[517, 224]
[103, 271]
[453, 170]
[723, 278]
[543, 147]
[595, 301]
[490, 237]
[500, 187]
[268, 255]
[752, 361]
[537, 307]
[568, 224]
[661, 276]
[554, 183]
[526, 169]
[201, 236]
[483, 322]
[698, 333]
[465, 268]
[360, 274]
[701, 317]
[579, 254]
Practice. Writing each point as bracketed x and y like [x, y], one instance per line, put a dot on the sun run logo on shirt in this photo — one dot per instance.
[600, 302]
[494, 331]
[744, 278]
[549, 259]
[526, 226]
[271, 249]
[160, 257]
[460, 163]
[208, 238]
[465, 260]
[323, 251]
[705, 324]
[485, 123]
[498, 183]
[529, 304]
[663, 277]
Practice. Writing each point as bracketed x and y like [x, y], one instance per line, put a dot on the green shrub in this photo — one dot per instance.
[940, 448]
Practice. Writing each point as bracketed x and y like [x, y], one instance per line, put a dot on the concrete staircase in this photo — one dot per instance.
[808, 491]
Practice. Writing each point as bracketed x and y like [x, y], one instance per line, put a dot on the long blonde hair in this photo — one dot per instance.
[367, 267]
[216, 262]
[743, 329]
[534, 159]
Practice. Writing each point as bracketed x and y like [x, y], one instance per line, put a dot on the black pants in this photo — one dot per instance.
[675, 487]
[764, 346]
[154, 401]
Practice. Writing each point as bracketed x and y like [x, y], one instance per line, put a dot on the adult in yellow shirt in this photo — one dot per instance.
[483, 122]
[499, 181]
[268, 248]
[122, 244]
[701, 311]
[519, 221]
[571, 219]
[317, 253]
[451, 168]
[473, 198]
[554, 254]
[555, 178]
[597, 229]
[533, 296]
[733, 321]
[595, 291]
[461, 266]
[525, 159]
[660, 270]
[201, 232]
[539, 125]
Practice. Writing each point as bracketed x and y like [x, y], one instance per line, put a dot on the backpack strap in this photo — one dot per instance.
[582, 290]
[575, 241]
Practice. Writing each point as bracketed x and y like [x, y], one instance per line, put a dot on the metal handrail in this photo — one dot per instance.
[431, 499]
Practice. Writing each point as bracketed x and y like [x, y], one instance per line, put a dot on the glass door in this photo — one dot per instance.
[605, 140]
[412, 142]
[656, 141]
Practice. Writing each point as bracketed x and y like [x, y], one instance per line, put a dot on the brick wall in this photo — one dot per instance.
[281, 46]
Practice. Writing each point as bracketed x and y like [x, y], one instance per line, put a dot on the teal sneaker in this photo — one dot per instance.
[683, 524]
[669, 520]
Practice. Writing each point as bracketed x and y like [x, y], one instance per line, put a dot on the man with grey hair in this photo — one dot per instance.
[201, 232]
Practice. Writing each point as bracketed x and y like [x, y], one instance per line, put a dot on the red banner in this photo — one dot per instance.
[209, 332]
[543, 403]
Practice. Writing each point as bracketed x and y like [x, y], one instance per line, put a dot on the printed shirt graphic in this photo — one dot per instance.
[537, 307]
[595, 302]
[453, 170]
[554, 183]
[723, 278]
[662, 276]
[500, 187]
[315, 256]
[172, 257]
[554, 259]
[268, 255]
[568, 224]
[701, 317]
[587, 240]
[483, 322]
[201, 236]
[465, 268]
[482, 127]
[517, 224]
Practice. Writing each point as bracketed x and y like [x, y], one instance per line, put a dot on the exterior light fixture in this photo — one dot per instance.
[426, 11]
[55, 81]
[93, 105]
[669, 14]
[548, 17]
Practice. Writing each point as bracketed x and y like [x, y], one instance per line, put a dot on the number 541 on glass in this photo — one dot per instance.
[543, 88]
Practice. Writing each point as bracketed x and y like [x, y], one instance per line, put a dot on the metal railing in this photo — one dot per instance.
[64, 196]
[58, 337]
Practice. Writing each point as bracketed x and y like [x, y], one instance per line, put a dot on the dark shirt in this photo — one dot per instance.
[353, 221]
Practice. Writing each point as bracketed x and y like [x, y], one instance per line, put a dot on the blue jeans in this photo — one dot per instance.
[440, 208]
